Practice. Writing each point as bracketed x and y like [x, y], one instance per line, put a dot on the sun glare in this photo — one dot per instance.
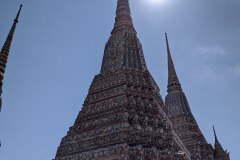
[157, 1]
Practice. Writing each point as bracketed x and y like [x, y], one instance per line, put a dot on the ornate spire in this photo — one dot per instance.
[173, 82]
[5, 52]
[123, 103]
[215, 136]
[123, 49]
[123, 18]
[181, 116]
[219, 152]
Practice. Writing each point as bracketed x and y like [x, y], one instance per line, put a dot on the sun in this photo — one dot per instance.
[157, 1]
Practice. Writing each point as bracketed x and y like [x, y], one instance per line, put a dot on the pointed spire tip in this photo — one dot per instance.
[215, 135]
[123, 19]
[214, 131]
[173, 82]
[167, 40]
[16, 19]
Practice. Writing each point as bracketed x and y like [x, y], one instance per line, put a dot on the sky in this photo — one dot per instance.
[58, 48]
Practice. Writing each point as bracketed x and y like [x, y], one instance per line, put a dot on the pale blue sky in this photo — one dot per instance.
[58, 48]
